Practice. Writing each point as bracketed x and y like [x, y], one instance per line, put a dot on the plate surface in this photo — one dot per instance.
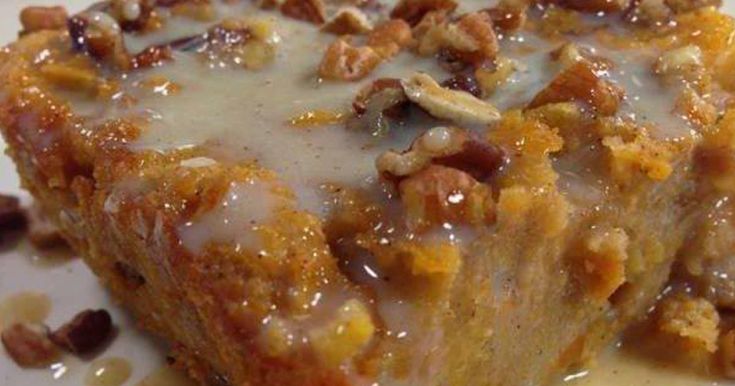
[71, 287]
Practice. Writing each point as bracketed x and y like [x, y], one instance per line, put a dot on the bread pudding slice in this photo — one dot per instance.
[376, 193]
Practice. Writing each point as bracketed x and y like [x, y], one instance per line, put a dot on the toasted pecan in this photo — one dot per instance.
[87, 331]
[42, 18]
[29, 345]
[581, 83]
[348, 21]
[413, 11]
[343, 61]
[388, 38]
[308, 10]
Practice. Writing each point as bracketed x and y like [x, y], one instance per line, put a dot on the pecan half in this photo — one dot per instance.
[443, 103]
[42, 18]
[29, 345]
[413, 11]
[87, 331]
[580, 83]
[343, 61]
[308, 10]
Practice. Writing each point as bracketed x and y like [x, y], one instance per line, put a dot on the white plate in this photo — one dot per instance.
[72, 287]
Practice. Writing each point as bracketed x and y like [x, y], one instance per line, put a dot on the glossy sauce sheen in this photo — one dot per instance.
[108, 372]
[241, 115]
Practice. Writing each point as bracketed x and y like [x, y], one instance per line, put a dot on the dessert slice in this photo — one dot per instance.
[382, 193]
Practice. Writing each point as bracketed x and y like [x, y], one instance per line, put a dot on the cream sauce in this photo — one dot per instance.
[245, 206]
[241, 115]
[616, 368]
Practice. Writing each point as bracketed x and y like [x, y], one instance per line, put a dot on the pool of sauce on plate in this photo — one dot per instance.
[24, 307]
[110, 371]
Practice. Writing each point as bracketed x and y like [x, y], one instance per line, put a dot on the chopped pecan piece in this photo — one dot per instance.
[42, 18]
[387, 39]
[343, 61]
[447, 146]
[376, 104]
[581, 83]
[681, 64]
[470, 41]
[11, 214]
[152, 56]
[649, 13]
[308, 10]
[509, 15]
[29, 345]
[87, 331]
[440, 194]
[413, 11]
[491, 77]
[100, 36]
[41, 231]
[234, 42]
[443, 103]
[593, 6]
[348, 21]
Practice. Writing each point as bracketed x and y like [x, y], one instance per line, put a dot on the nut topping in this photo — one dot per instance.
[452, 105]
[448, 146]
[580, 82]
[413, 11]
[29, 345]
[308, 10]
[87, 331]
[470, 41]
[42, 18]
[376, 104]
[100, 36]
[387, 39]
[343, 61]
[509, 15]
[348, 21]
